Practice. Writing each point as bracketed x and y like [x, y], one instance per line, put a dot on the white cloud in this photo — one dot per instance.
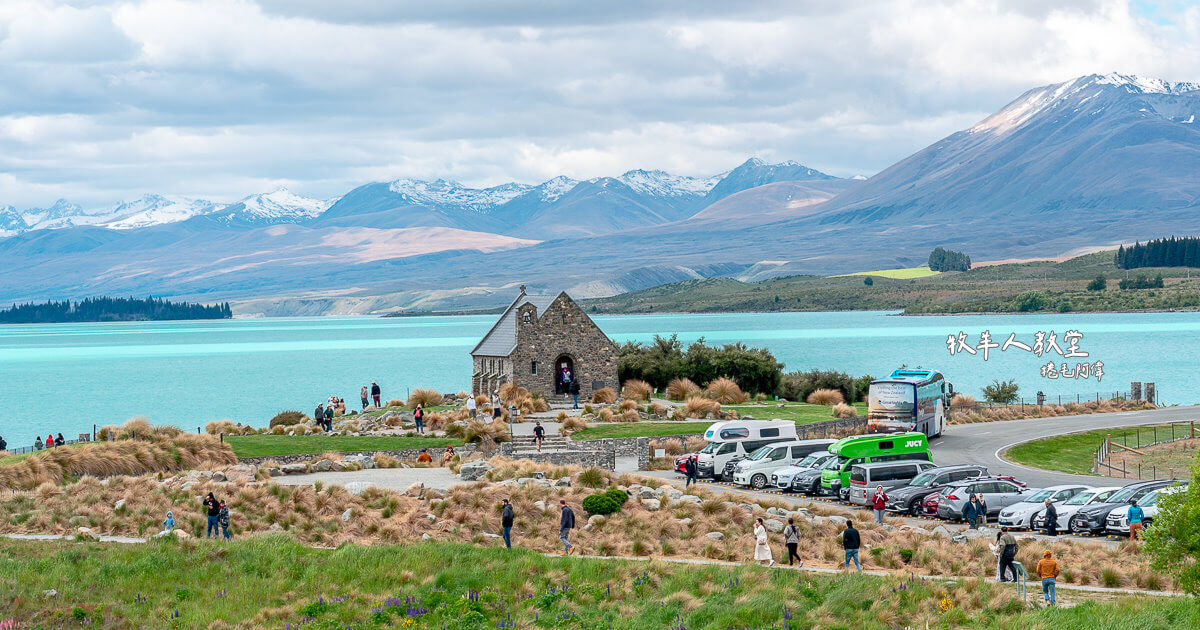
[107, 100]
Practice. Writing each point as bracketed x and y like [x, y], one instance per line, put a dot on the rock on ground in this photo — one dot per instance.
[773, 525]
[358, 487]
[472, 471]
[714, 535]
[415, 489]
[651, 505]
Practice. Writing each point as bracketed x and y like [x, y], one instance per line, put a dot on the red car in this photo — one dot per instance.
[682, 460]
[930, 505]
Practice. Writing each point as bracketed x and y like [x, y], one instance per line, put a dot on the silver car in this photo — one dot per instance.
[782, 478]
[998, 493]
[1020, 515]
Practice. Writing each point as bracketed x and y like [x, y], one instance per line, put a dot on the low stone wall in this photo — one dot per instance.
[404, 455]
[602, 458]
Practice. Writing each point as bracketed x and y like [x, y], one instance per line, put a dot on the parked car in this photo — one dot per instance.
[735, 439]
[1068, 508]
[1093, 519]
[866, 478]
[755, 470]
[929, 504]
[682, 460]
[998, 493]
[908, 499]
[1020, 515]
[870, 449]
[782, 478]
[1117, 522]
[809, 481]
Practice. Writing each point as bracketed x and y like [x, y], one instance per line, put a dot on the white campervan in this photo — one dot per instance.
[735, 439]
[756, 469]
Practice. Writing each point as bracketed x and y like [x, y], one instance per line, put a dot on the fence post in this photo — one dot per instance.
[222, 437]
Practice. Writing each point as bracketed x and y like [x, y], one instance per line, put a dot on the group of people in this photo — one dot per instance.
[568, 384]
[373, 392]
[566, 522]
[38, 444]
[448, 456]
[218, 518]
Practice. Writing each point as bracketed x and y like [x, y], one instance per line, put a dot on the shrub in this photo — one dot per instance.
[618, 495]
[825, 397]
[218, 427]
[592, 478]
[630, 415]
[394, 403]
[1031, 301]
[725, 391]
[423, 397]
[663, 360]
[571, 425]
[682, 389]
[965, 401]
[798, 385]
[700, 407]
[604, 396]
[600, 504]
[1110, 578]
[287, 419]
[1004, 392]
[636, 389]
[906, 555]
[842, 410]
[605, 415]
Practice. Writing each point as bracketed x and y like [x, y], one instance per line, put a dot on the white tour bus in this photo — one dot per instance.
[735, 439]
[909, 400]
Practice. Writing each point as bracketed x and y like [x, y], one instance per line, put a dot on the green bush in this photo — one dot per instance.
[906, 555]
[618, 495]
[600, 504]
[1003, 392]
[287, 418]
[941, 259]
[1099, 283]
[798, 385]
[754, 369]
[1030, 301]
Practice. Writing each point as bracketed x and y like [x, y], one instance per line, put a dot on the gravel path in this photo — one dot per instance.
[398, 479]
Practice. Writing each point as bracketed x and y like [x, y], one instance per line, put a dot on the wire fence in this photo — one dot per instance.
[83, 437]
[1132, 440]
[1047, 399]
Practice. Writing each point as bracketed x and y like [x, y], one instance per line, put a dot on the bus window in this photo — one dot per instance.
[886, 445]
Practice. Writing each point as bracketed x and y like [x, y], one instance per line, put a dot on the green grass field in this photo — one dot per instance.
[276, 445]
[273, 582]
[898, 274]
[1075, 452]
[800, 413]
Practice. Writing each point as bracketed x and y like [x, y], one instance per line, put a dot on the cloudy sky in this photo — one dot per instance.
[106, 101]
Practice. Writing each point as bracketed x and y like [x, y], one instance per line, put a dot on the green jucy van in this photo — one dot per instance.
[868, 449]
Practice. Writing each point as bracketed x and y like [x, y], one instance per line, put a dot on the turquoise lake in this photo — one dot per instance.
[67, 377]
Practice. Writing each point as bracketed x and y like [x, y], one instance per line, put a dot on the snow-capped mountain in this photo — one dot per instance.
[11, 221]
[277, 207]
[157, 210]
[663, 184]
[443, 192]
[62, 214]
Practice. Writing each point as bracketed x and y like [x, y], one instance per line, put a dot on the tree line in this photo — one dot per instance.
[941, 259]
[108, 309]
[1163, 252]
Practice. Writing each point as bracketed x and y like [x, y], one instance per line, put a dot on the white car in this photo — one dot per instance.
[1118, 519]
[1020, 515]
[1068, 508]
[782, 478]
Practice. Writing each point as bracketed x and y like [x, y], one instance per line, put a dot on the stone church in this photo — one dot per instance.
[535, 339]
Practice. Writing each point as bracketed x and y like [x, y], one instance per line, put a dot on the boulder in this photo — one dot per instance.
[838, 520]
[773, 525]
[86, 533]
[358, 487]
[647, 493]
[347, 514]
[651, 505]
[218, 476]
[472, 471]
[487, 535]
[180, 534]
[596, 519]
[365, 462]
[321, 465]
[50, 593]
[524, 480]
[690, 498]
[294, 469]
[119, 505]
[275, 527]
[539, 506]
[415, 489]
[563, 482]
[971, 534]
[275, 472]
[749, 507]
[714, 535]
[819, 520]
[943, 531]
[431, 518]
[74, 521]
[684, 521]
[774, 511]
[426, 537]
[241, 472]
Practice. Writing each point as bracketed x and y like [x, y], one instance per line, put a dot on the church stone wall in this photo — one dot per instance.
[564, 329]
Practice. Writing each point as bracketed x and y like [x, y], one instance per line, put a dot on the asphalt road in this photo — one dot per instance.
[983, 442]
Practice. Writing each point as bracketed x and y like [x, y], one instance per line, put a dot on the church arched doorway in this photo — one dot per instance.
[564, 373]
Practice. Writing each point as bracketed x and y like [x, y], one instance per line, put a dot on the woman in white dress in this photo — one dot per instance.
[762, 550]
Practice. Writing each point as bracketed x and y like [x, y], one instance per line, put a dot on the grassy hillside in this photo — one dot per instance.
[273, 582]
[1063, 288]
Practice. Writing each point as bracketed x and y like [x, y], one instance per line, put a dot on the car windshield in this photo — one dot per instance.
[1149, 500]
[1081, 499]
[711, 447]
[762, 452]
[1038, 497]
[832, 463]
[808, 462]
[923, 480]
[1123, 495]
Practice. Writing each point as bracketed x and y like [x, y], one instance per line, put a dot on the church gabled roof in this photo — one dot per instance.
[501, 340]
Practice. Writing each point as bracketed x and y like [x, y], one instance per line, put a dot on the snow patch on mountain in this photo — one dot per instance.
[156, 210]
[1145, 85]
[663, 184]
[282, 205]
[443, 192]
[551, 190]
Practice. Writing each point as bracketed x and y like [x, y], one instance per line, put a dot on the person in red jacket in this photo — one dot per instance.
[879, 503]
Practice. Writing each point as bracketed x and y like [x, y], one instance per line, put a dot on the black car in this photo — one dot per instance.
[808, 482]
[908, 499]
[1091, 519]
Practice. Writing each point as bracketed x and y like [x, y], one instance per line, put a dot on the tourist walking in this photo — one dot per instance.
[496, 405]
[506, 522]
[1047, 570]
[564, 381]
[419, 418]
[223, 519]
[851, 542]
[1051, 519]
[472, 409]
[1135, 516]
[971, 512]
[363, 393]
[983, 513]
[375, 393]
[566, 523]
[995, 547]
[59, 441]
[169, 522]
[879, 503]
[791, 539]
[329, 418]
[37, 443]
[213, 508]
[319, 415]
[539, 434]
[574, 389]
[1008, 551]
[690, 471]
[762, 548]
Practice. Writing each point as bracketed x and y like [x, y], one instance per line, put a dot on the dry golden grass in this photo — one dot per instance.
[725, 391]
[630, 415]
[395, 402]
[682, 389]
[572, 425]
[993, 413]
[658, 409]
[424, 397]
[825, 397]
[963, 400]
[636, 389]
[605, 396]
[604, 415]
[700, 408]
[842, 410]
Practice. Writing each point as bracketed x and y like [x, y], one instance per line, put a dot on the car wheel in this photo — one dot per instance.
[758, 482]
[914, 508]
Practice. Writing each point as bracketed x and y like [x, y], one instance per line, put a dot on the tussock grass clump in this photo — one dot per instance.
[218, 427]
[572, 425]
[725, 391]
[424, 397]
[964, 401]
[825, 397]
[605, 415]
[604, 396]
[842, 410]
[395, 402]
[629, 415]
[700, 408]
[636, 389]
[682, 389]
